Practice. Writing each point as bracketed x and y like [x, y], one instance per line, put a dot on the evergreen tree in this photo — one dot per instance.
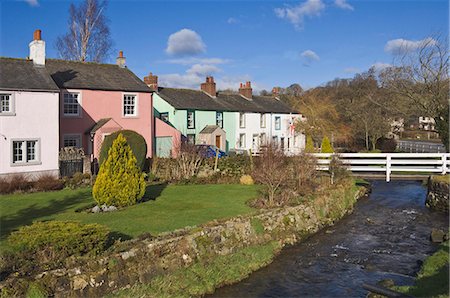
[119, 181]
[309, 148]
[326, 146]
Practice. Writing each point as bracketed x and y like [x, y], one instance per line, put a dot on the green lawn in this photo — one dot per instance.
[170, 207]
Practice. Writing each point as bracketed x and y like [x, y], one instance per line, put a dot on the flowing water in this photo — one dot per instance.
[386, 237]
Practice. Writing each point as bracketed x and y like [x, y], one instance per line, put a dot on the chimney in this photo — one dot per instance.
[209, 86]
[275, 91]
[37, 49]
[120, 60]
[246, 90]
[151, 81]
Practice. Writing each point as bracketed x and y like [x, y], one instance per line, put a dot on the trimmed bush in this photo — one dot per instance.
[16, 182]
[309, 148]
[134, 140]
[48, 182]
[46, 245]
[326, 146]
[119, 181]
[246, 180]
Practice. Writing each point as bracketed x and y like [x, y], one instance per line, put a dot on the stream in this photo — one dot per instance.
[386, 237]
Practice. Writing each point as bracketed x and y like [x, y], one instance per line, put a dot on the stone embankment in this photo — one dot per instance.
[140, 260]
[438, 193]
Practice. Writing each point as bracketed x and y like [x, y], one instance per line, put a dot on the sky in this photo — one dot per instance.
[270, 43]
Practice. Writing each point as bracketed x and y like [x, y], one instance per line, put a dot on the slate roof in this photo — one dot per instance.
[185, 99]
[209, 129]
[94, 76]
[21, 74]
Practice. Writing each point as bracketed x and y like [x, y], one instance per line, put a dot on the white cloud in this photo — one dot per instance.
[184, 43]
[343, 4]
[309, 57]
[401, 46]
[203, 69]
[232, 20]
[379, 66]
[351, 70]
[194, 60]
[297, 14]
[32, 2]
[175, 80]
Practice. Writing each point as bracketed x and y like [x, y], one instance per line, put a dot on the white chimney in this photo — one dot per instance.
[121, 60]
[37, 49]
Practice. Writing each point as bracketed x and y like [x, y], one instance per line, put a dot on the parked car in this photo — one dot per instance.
[209, 151]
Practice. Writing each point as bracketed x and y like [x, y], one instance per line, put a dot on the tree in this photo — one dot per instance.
[421, 79]
[309, 148]
[119, 181]
[88, 38]
[326, 146]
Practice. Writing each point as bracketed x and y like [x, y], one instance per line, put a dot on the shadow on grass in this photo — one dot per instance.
[29, 214]
[152, 192]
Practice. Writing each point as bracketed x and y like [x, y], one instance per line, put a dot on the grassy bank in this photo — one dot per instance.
[168, 208]
[204, 278]
[441, 178]
[432, 280]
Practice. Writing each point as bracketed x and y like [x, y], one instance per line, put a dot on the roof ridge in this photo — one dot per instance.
[82, 62]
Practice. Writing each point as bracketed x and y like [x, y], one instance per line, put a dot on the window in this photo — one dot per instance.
[219, 119]
[241, 120]
[262, 121]
[71, 104]
[129, 105]
[164, 116]
[242, 140]
[263, 139]
[190, 119]
[25, 151]
[275, 140]
[277, 123]
[6, 104]
[72, 141]
[191, 139]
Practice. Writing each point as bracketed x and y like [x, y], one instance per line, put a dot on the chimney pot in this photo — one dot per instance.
[209, 86]
[120, 60]
[37, 34]
[246, 90]
[151, 81]
[121, 54]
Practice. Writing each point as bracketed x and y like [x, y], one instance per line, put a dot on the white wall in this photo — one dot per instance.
[36, 117]
[294, 143]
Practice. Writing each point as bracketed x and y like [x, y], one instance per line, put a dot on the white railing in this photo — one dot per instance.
[389, 162]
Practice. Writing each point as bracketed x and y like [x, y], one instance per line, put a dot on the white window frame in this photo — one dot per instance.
[75, 137]
[242, 141]
[11, 104]
[219, 113]
[25, 161]
[241, 120]
[136, 105]
[78, 93]
[277, 125]
[263, 138]
[193, 119]
[262, 120]
[162, 117]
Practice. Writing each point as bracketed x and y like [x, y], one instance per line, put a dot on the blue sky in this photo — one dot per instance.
[271, 43]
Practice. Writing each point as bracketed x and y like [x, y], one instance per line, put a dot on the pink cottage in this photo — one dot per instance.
[99, 99]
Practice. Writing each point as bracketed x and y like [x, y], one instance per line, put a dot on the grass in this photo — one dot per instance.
[168, 208]
[441, 178]
[432, 280]
[204, 278]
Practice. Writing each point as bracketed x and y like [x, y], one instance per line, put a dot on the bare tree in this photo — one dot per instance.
[89, 37]
[420, 77]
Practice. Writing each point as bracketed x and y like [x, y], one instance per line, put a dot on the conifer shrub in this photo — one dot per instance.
[246, 180]
[119, 181]
[326, 146]
[134, 140]
[309, 148]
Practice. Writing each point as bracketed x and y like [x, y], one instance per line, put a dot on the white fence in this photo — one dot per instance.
[420, 147]
[389, 162]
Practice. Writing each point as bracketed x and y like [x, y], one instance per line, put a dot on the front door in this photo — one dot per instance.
[218, 141]
[255, 143]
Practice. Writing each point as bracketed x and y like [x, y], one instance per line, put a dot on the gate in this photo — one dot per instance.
[70, 161]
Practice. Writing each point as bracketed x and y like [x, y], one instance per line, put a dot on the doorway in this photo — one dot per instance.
[218, 141]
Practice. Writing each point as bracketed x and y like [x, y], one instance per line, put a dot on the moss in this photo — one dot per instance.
[441, 178]
[257, 226]
[287, 220]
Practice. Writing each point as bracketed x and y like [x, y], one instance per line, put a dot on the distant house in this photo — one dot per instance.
[248, 121]
[29, 118]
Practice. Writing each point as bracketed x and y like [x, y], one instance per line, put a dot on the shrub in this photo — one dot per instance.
[48, 182]
[16, 182]
[337, 170]
[304, 173]
[309, 148]
[134, 140]
[119, 181]
[246, 180]
[326, 146]
[44, 245]
[387, 145]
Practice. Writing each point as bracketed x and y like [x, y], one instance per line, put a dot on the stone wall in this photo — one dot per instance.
[438, 193]
[140, 260]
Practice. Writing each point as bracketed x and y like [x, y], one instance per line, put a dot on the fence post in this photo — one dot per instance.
[388, 167]
[444, 164]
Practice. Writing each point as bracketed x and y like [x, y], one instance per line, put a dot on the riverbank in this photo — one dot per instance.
[249, 242]
[438, 193]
